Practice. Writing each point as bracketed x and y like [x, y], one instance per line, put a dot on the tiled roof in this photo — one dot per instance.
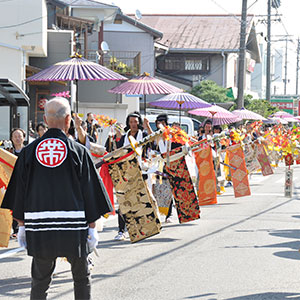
[85, 3]
[198, 31]
[143, 26]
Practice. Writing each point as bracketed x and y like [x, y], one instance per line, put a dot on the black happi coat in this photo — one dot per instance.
[56, 203]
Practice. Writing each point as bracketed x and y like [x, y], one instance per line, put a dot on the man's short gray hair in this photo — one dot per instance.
[57, 108]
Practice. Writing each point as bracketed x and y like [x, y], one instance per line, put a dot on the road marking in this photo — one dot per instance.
[11, 252]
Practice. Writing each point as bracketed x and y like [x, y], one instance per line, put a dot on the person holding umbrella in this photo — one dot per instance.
[138, 129]
[207, 127]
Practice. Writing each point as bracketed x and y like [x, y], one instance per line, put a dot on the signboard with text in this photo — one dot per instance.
[284, 104]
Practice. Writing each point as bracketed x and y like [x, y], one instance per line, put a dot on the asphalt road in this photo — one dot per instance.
[242, 248]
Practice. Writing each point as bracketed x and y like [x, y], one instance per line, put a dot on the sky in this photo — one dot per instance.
[289, 10]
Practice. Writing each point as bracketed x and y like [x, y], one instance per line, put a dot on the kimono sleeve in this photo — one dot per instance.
[14, 198]
[96, 199]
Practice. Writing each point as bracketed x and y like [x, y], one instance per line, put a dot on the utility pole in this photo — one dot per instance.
[268, 73]
[285, 65]
[297, 68]
[242, 54]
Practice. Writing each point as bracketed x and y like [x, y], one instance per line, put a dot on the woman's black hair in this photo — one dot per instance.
[218, 127]
[207, 121]
[134, 114]
[41, 124]
[162, 118]
[15, 129]
[71, 130]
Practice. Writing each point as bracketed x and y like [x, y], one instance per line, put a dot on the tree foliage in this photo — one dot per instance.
[262, 107]
[210, 92]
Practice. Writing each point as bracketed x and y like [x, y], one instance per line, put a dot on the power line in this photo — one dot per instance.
[231, 14]
[32, 20]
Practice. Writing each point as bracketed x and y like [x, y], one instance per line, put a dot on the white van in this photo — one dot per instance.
[189, 125]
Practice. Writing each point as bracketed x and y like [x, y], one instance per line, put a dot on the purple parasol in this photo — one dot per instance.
[76, 68]
[180, 101]
[218, 114]
[145, 85]
[246, 114]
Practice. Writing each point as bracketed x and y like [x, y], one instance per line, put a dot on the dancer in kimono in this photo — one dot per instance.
[56, 196]
[163, 191]
[134, 127]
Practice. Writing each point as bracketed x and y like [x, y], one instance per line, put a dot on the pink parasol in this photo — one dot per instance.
[76, 68]
[218, 114]
[65, 94]
[279, 120]
[285, 115]
[246, 114]
[145, 85]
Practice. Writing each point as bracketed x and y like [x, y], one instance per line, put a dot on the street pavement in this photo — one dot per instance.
[242, 248]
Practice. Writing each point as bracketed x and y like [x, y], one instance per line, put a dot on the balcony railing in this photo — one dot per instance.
[124, 62]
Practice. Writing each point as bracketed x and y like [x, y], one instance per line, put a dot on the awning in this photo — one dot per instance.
[11, 94]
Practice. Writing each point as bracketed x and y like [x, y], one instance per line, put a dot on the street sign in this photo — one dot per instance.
[288, 186]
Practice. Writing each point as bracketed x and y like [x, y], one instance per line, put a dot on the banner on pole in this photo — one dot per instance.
[263, 160]
[239, 173]
[135, 203]
[207, 189]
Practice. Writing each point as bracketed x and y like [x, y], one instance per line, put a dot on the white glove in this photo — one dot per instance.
[22, 237]
[93, 238]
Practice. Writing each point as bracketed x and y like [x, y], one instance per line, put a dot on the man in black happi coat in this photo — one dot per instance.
[56, 196]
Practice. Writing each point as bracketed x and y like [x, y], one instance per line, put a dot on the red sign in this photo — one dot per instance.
[51, 152]
[41, 103]
[251, 65]
[283, 105]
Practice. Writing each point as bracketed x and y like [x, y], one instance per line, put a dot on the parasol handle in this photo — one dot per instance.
[136, 146]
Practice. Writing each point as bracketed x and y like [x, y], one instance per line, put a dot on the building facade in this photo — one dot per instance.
[204, 47]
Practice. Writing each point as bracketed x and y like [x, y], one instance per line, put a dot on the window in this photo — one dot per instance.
[173, 63]
[184, 64]
[193, 65]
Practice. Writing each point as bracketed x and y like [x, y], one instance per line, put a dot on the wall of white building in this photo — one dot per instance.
[231, 70]
[106, 14]
[23, 33]
[12, 62]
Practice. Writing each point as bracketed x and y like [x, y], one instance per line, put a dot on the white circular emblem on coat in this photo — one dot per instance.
[51, 152]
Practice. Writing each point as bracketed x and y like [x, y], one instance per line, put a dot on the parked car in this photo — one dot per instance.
[189, 125]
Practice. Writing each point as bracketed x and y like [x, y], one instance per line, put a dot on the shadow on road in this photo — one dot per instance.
[11, 287]
[168, 225]
[10, 259]
[3, 250]
[102, 276]
[269, 296]
[287, 233]
[158, 240]
[189, 243]
[200, 296]
[293, 246]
